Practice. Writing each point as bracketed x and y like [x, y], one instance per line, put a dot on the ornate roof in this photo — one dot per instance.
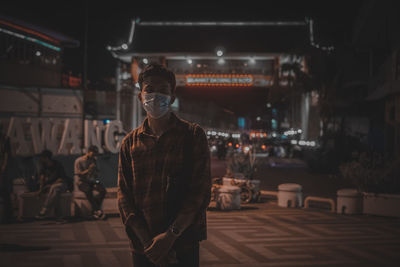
[206, 37]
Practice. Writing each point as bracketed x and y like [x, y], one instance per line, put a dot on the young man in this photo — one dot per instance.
[164, 181]
[52, 179]
[86, 174]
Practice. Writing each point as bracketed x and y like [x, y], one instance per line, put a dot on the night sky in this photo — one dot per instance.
[109, 21]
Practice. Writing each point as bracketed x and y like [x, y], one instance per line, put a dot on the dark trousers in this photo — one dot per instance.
[54, 195]
[94, 200]
[187, 256]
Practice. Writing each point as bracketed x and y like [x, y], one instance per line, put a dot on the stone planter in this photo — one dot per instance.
[349, 201]
[228, 198]
[290, 195]
[19, 188]
[255, 184]
[381, 204]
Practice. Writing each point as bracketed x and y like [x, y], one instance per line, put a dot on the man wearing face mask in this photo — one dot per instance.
[164, 180]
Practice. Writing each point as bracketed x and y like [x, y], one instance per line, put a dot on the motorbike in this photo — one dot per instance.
[247, 193]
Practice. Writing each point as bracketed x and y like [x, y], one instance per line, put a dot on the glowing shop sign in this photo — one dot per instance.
[218, 80]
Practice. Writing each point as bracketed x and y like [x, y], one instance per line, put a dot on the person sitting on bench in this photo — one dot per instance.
[52, 180]
[87, 172]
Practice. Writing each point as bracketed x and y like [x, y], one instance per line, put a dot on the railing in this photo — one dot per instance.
[320, 199]
[269, 193]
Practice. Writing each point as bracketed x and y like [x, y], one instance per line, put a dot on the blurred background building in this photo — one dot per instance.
[230, 75]
[43, 105]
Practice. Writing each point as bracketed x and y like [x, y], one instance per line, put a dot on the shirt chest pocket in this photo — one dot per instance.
[140, 159]
[178, 174]
[143, 169]
[175, 161]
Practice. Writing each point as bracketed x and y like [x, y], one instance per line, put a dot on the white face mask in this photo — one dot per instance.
[156, 104]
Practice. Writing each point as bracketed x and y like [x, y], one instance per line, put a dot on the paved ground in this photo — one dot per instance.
[260, 234]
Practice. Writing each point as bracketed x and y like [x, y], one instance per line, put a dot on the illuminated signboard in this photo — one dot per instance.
[241, 122]
[34, 40]
[218, 80]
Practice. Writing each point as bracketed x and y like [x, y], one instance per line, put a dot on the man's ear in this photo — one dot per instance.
[172, 99]
[140, 96]
[173, 96]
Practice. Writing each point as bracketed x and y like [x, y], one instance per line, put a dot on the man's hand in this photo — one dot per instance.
[159, 248]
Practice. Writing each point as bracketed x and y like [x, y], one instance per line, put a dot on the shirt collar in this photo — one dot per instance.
[144, 128]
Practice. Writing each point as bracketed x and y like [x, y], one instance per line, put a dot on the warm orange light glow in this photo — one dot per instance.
[264, 147]
[237, 145]
[256, 134]
[229, 144]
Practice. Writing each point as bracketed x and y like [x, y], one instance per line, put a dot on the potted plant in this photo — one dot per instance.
[350, 200]
[241, 167]
[377, 180]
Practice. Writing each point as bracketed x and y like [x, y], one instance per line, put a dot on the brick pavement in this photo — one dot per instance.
[260, 234]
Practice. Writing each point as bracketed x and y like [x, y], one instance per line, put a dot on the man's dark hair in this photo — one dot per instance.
[93, 149]
[159, 70]
[46, 154]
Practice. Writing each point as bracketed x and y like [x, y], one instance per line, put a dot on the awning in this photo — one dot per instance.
[35, 32]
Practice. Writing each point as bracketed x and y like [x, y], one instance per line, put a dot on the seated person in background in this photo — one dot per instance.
[52, 180]
[87, 173]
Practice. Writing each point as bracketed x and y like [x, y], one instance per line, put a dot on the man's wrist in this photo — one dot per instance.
[139, 230]
[174, 231]
[147, 244]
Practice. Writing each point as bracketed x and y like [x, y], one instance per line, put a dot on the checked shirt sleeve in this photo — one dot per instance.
[131, 217]
[125, 179]
[197, 197]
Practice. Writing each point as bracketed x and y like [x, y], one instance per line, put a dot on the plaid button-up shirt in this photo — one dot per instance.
[151, 169]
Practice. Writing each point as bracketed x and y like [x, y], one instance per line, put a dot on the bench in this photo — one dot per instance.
[73, 204]
[30, 205]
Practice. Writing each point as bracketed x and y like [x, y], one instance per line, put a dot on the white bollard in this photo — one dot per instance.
[290, 195]
[349, 201]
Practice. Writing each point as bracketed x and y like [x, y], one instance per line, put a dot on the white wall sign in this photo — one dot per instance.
[111, 143]
[62, 136]
[44, 137]
[93, 131]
